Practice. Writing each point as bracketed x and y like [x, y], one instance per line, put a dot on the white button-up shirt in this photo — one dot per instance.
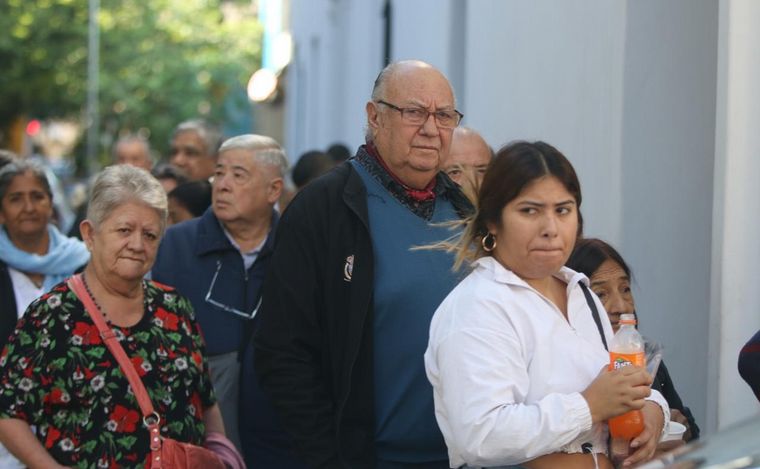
[507, 369]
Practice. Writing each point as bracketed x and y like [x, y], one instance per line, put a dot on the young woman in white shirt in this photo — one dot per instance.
[515, 357]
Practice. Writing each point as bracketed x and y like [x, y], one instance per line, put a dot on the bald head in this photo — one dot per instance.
[397, 70]
[409, 144]
[468, 157]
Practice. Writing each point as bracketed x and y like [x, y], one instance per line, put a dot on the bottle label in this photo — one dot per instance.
[619, 360]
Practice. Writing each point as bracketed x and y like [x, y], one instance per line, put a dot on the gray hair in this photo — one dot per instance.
[19, 167]
[208, 132]
[7, 157]
[119, 184]
[133, 139]
[265, 150]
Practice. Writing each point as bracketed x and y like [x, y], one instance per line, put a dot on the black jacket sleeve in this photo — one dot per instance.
[749, 363]
[664, 384]
[290, 339]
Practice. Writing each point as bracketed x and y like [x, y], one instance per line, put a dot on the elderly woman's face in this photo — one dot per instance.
[612, 285]
[26, 207]
[125, 243]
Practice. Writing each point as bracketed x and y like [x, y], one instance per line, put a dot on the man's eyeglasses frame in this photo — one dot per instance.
[409, 115]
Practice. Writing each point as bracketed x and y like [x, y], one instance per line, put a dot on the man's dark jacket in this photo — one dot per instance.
[187, 259]
[315, 341]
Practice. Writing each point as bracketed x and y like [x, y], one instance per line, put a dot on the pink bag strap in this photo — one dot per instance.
[151, 418]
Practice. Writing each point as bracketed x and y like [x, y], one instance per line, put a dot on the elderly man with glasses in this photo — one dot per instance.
[347, 303]
[218, 261]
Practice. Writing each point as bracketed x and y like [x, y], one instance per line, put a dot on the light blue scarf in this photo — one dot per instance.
[64, 256]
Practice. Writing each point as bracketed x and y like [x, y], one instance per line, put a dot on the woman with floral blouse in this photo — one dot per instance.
[64, 401]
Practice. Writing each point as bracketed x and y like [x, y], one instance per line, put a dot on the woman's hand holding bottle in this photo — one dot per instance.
[613, 393]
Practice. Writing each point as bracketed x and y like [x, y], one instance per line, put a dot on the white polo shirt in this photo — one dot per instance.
[507, 369]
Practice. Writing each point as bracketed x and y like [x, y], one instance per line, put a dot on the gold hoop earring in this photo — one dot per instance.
[488, 242]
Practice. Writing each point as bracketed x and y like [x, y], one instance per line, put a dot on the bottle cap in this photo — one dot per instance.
[628, 319]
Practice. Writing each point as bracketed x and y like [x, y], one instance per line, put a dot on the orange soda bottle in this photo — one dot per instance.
[626, 349]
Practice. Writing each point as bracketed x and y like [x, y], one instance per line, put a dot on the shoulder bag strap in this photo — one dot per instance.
[594, 312]
[150, 417]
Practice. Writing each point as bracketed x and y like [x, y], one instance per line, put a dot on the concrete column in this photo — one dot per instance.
[735, 299]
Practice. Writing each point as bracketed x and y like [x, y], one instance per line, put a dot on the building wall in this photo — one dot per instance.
[553, 71]
[629, 92]
[735, 299]
[668, 142]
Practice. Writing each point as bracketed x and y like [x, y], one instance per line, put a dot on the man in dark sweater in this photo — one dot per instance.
[347, 303]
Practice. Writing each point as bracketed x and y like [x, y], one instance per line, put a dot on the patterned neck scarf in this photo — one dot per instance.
[418, 195]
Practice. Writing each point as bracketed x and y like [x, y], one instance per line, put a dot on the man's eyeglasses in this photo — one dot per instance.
[418, 115]
[223, 306]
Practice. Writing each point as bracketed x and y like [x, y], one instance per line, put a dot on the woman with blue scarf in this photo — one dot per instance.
[34, 255]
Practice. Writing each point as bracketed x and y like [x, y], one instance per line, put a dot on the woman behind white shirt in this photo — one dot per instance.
[515, 354]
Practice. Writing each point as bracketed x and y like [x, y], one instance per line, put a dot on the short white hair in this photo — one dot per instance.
[119, 184]
[265, 150]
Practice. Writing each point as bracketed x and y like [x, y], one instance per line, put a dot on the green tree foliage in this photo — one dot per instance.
[161, 61]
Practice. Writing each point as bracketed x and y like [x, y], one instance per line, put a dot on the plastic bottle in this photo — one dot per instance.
[626, 349]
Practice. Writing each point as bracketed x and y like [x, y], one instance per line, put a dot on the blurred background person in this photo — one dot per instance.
[309, 166]
[79, 412]
[467, 160]
[610, 279]
[193, 148]
[7, 157]
[169, 176]
[34, 255]
[134, 150]
[338, 152]
[188, 201]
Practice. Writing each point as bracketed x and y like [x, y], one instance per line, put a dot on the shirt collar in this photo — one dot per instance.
[503, 275]
[253, 251]
[418, 195]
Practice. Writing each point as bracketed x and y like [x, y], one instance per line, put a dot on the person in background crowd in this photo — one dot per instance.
[347, 305]
[338, 152]
[610, 279]
[62, 400]
[309, 166]
[515, 353]
[133, 150]
[193, 148]
[218, 261]
[34, 255]
[63, 215]
[169, 176]
[188, 201]
[7, 157]
[467, 161]
[749, 364]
